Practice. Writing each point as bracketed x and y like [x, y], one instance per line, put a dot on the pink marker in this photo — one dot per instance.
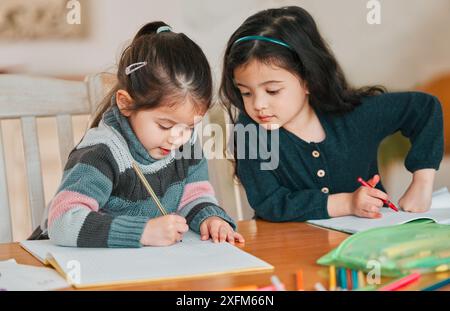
[401, 282]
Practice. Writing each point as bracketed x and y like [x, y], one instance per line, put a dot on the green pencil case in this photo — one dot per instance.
[421, 246]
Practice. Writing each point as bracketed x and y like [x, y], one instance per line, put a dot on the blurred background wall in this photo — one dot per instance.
[409, 50]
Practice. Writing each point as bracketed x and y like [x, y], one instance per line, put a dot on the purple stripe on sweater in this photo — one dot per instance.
[194, 191]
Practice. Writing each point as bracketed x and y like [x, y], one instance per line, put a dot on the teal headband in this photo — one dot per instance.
[262, 38]
[164, 29]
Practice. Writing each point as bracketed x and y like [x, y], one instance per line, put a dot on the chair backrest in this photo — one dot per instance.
[27, 98]
[238, 197]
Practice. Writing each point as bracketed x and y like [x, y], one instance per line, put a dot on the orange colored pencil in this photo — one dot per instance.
[299, 280]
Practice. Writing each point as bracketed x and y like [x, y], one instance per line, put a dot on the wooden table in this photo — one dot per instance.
[289, 247]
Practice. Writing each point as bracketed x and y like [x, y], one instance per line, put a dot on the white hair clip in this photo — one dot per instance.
[133, 67]
[164, 29]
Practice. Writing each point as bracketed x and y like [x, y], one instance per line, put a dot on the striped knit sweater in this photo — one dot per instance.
[101, 201]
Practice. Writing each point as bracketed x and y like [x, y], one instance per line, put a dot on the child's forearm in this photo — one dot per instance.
[423, 181]
[339, 204]
[417, 198]
[424, 176]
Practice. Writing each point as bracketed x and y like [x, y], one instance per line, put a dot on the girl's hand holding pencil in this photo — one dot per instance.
[367, 201]
[161, 231]
[164, 230]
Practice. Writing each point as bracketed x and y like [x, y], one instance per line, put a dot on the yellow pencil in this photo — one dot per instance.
[149, 188]
[361, 282]
[332, 278]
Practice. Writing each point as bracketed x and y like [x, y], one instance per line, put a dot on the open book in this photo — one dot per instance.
[439, 213]
[85, 267]
[15, 277]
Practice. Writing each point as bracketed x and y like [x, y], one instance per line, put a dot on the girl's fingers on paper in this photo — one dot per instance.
[215, 235]
[230, 237]
[238, 237]
[214, 230]
[204, 232]
[223, 232]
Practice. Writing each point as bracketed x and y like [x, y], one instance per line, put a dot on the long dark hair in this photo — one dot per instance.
[308, 57]
[176, 68]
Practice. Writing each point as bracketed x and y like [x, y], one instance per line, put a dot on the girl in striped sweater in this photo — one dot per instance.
[164, 87]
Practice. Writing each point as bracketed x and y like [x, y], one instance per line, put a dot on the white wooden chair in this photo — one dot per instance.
[27, 98]
[239, 197]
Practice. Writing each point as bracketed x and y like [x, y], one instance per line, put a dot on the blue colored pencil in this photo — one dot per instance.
[355, 279]
[437, 285]
[343, 278]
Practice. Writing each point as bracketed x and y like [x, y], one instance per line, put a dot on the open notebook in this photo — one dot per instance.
[86, 267]
[18, 277]
[439, 212]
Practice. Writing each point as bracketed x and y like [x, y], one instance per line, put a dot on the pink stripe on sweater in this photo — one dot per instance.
[194, 191]
[66, 200]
